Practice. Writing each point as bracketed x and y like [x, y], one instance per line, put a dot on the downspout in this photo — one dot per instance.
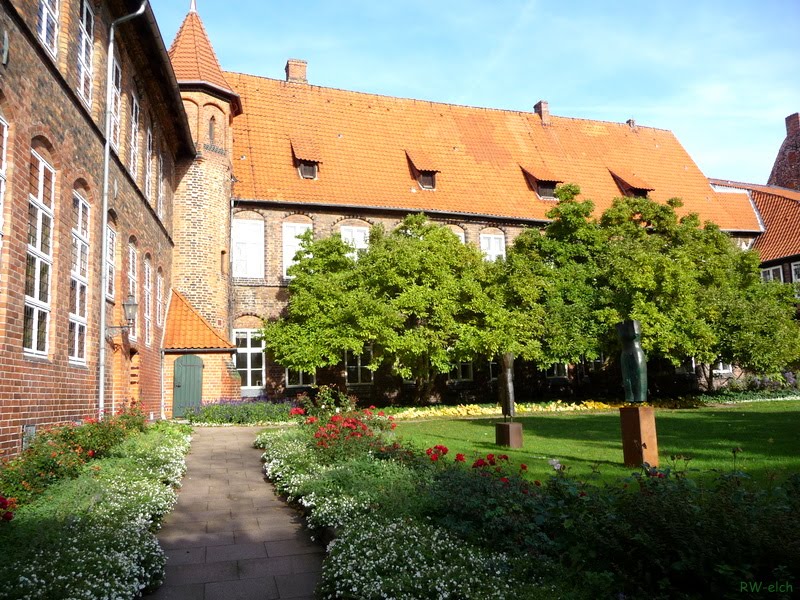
[101, 403]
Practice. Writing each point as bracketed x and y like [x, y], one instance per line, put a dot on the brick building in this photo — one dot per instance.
[52, 127]
[212, 176]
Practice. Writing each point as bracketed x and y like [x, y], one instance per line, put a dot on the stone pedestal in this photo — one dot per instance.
[639, 440]
[508, 434]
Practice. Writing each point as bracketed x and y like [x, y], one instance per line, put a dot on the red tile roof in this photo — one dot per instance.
[364, 140]
[193, 58]
[186, 329]
[780, 210]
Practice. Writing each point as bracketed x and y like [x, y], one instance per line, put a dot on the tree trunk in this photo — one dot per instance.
[707, 373]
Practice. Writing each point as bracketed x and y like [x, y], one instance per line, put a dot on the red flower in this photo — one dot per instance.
[523, 467]
[460, 458]
[503, 457]
[297, 411]
[7, 516]
[3, 503]
[311, 420]
[504, 479]
[581, 494]
[442, 449]
[90, 453]
[479, 463]
[434, 457]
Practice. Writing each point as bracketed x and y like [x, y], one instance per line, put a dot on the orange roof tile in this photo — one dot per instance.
[305, 148]
[541, 173]
[193, 58]
[421, 160]
[780, 210]
[478, 152]
[186, 329]
[630, 179]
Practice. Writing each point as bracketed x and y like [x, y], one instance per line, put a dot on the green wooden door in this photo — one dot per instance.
[187, 390]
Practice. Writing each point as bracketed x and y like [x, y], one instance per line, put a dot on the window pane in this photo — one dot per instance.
[256, 360]
[45, 241]
[41, 333]
[44, 282]
[33, 225]
[30, 276]
[81, 341]
[72, 338]
[27, 329]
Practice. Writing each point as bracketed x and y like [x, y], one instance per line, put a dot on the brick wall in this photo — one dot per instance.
[38, 99]
[786, 170]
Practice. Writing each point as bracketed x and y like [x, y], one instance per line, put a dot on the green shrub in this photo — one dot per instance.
[92, 536]
[325, 401]
[240, 412]
[61, 452]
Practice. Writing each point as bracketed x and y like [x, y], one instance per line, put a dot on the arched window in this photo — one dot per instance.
[79, 277]
[148, 301]
[133, 281]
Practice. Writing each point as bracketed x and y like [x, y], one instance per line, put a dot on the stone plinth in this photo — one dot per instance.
[508, 434]
[639, 440]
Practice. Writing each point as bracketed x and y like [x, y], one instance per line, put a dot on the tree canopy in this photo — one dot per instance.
[425, 301]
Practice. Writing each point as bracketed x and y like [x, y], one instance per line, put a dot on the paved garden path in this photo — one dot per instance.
[230, 537]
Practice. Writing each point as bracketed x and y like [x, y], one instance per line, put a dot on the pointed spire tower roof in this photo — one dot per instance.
[195, 62]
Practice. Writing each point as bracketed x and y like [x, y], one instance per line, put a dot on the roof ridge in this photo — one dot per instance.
[192, 32]
[440, 103]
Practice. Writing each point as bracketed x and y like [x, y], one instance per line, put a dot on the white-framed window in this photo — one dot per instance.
[134, 162]
[461, 372]
[356, 366]
[557, 371]
[86, 52]
[133, 284]
[250, 360]
[291, 242]
[160, 188]
[159, 298]
[493, 245]
[47, 26]
[247, 244]
[295, 378]
[116, 102]
[795, 265]
[722, 368]
[147, 289]
[39, 264]
[3, 153]
[772, 274]
[148, 163]
[111, 269]
[687, 367]
[459, 233]
[79, 279]
[356, 237]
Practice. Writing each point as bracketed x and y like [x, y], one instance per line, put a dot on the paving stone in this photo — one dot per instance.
[263, 588]
[295, 586]
[236, 552]
[186, 556]
[292, 547]
[201, 573]
[193, 591]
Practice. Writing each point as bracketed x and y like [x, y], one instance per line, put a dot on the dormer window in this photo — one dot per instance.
[307, 168]
[307, 156]
[423, 169]
[542, 181]
[630, 184]
[427, 180]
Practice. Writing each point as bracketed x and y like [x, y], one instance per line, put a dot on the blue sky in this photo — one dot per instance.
[722, 75]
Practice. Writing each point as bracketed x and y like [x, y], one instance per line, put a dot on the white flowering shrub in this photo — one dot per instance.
[93, 537]
[405, 559]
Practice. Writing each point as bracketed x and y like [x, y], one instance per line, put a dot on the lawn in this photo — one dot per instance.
[766, 432]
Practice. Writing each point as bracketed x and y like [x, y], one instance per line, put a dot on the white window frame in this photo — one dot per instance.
[291, 243]
[160, 187]
[79, 280]
[721, 368]
[358, 363]
[498, 240]
[247, 245]
[48, 17]
[116, 103]
[111, 268]
[355, 236]
[133, 285]
[159, 298]
[462, 371]
[134, 133]
[769, 273]
[147, 290]
[460, 235]
[3, 165]
[305, 379]
[148, 163]
[40, 255]
[86, 52]
[253, 345]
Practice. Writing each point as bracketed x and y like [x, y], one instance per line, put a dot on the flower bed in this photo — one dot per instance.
[93, 536]
[401, 518]
[240, 412]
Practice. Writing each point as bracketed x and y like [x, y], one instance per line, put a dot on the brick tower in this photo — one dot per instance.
[786, 171]
[202, 215]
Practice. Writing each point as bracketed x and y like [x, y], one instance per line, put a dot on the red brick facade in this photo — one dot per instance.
[786, 170]
[44, 112]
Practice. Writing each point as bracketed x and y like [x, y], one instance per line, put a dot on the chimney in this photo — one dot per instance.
[296, 70]
[542, 109]
[631, 123]
[793, 124]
